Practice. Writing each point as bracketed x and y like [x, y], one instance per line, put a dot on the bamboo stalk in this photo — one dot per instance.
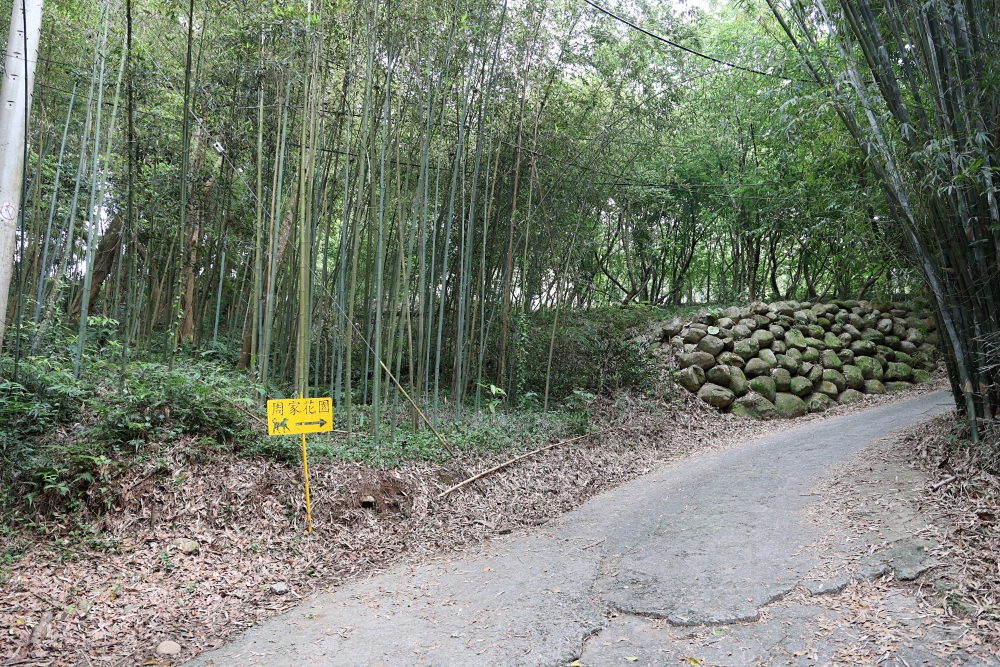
[509, 462]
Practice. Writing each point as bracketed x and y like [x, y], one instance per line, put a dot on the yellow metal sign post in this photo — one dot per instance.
[291, 416]
[295, 416]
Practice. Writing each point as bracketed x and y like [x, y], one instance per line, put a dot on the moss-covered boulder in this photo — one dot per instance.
[788, 363]
[829, 359]
[779, 347]
[804, 316]
[849, 396]
[795, 339]
[768, 357]
[863, 348]
[920, 376]
[873, 335]
[693, 335]
[870, 368]
[818, 402]
[746, 348]
[836, 378]
[897, 386]
[885, 351]
[764, 337]
[740, 331]
[853, 377]
[764, 385]
[790, 406]
[874, 387]
[718, 375]
[828, 388]
[712, 345]
[757, 366]
[716, 396]
[731, 359]
[755, 406]
[704, 360]
[815, 373]
[816, 343]
[738, 381]
[691, 378]
[811, 355]
[800, 386]
[782, 379]
[924, 361]
[903, 358]
[832, 342]
[897, 372]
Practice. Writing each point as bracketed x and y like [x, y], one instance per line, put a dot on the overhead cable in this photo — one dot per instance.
[689, 50]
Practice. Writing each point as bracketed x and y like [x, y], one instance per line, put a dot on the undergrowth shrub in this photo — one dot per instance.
[63, 441]
[594, 350]
[43, 394]
[157, 401]
[66, 476]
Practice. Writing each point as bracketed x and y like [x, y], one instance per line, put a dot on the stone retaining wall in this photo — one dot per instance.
[787, 358]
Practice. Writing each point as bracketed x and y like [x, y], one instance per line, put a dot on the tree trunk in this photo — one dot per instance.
[104, 261]
[18, 83]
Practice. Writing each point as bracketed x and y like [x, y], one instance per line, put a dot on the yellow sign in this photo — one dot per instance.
[291, 416]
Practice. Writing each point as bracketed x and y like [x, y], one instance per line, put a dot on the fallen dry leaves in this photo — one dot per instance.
[69, 602]
[952, 606]
[963, 515]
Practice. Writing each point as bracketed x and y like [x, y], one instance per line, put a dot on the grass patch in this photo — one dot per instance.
[481, 433]
[67, 441]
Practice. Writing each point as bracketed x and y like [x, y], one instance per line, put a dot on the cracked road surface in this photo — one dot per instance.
[705, 541]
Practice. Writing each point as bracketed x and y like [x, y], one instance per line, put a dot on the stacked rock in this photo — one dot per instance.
[787, 358]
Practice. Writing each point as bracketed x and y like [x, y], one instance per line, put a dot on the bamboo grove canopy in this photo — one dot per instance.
[915, 84]
[447, 174]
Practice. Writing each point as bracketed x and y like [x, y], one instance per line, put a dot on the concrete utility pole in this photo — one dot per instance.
[15, 104]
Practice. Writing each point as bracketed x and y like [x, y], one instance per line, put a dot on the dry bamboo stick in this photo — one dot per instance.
[503, 465]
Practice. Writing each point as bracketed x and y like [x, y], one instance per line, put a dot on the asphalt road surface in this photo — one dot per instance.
[703, 542]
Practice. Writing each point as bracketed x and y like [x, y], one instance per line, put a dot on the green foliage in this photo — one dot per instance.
[497, 396]
[578, 403]
[645, 177]
[190, 399]
[597, 351]
[44, 394]
[66, 440]
[502, 431]
[66, 475]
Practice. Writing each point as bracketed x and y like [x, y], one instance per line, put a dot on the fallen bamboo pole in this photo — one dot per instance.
[503, 465]
[444, 443]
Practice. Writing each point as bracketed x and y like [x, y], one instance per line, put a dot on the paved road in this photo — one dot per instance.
[708, 540]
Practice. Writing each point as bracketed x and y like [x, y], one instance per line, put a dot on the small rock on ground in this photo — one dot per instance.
[872, 572]
[826, 587]
[187, 546]
[168, 648]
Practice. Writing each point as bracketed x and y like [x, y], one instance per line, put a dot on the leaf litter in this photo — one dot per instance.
[137, 579]
[950, 608]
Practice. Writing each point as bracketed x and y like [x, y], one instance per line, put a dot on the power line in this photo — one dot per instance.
[688, 50]
[689, 188]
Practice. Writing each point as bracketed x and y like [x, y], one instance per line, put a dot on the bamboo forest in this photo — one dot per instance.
[477, 227]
